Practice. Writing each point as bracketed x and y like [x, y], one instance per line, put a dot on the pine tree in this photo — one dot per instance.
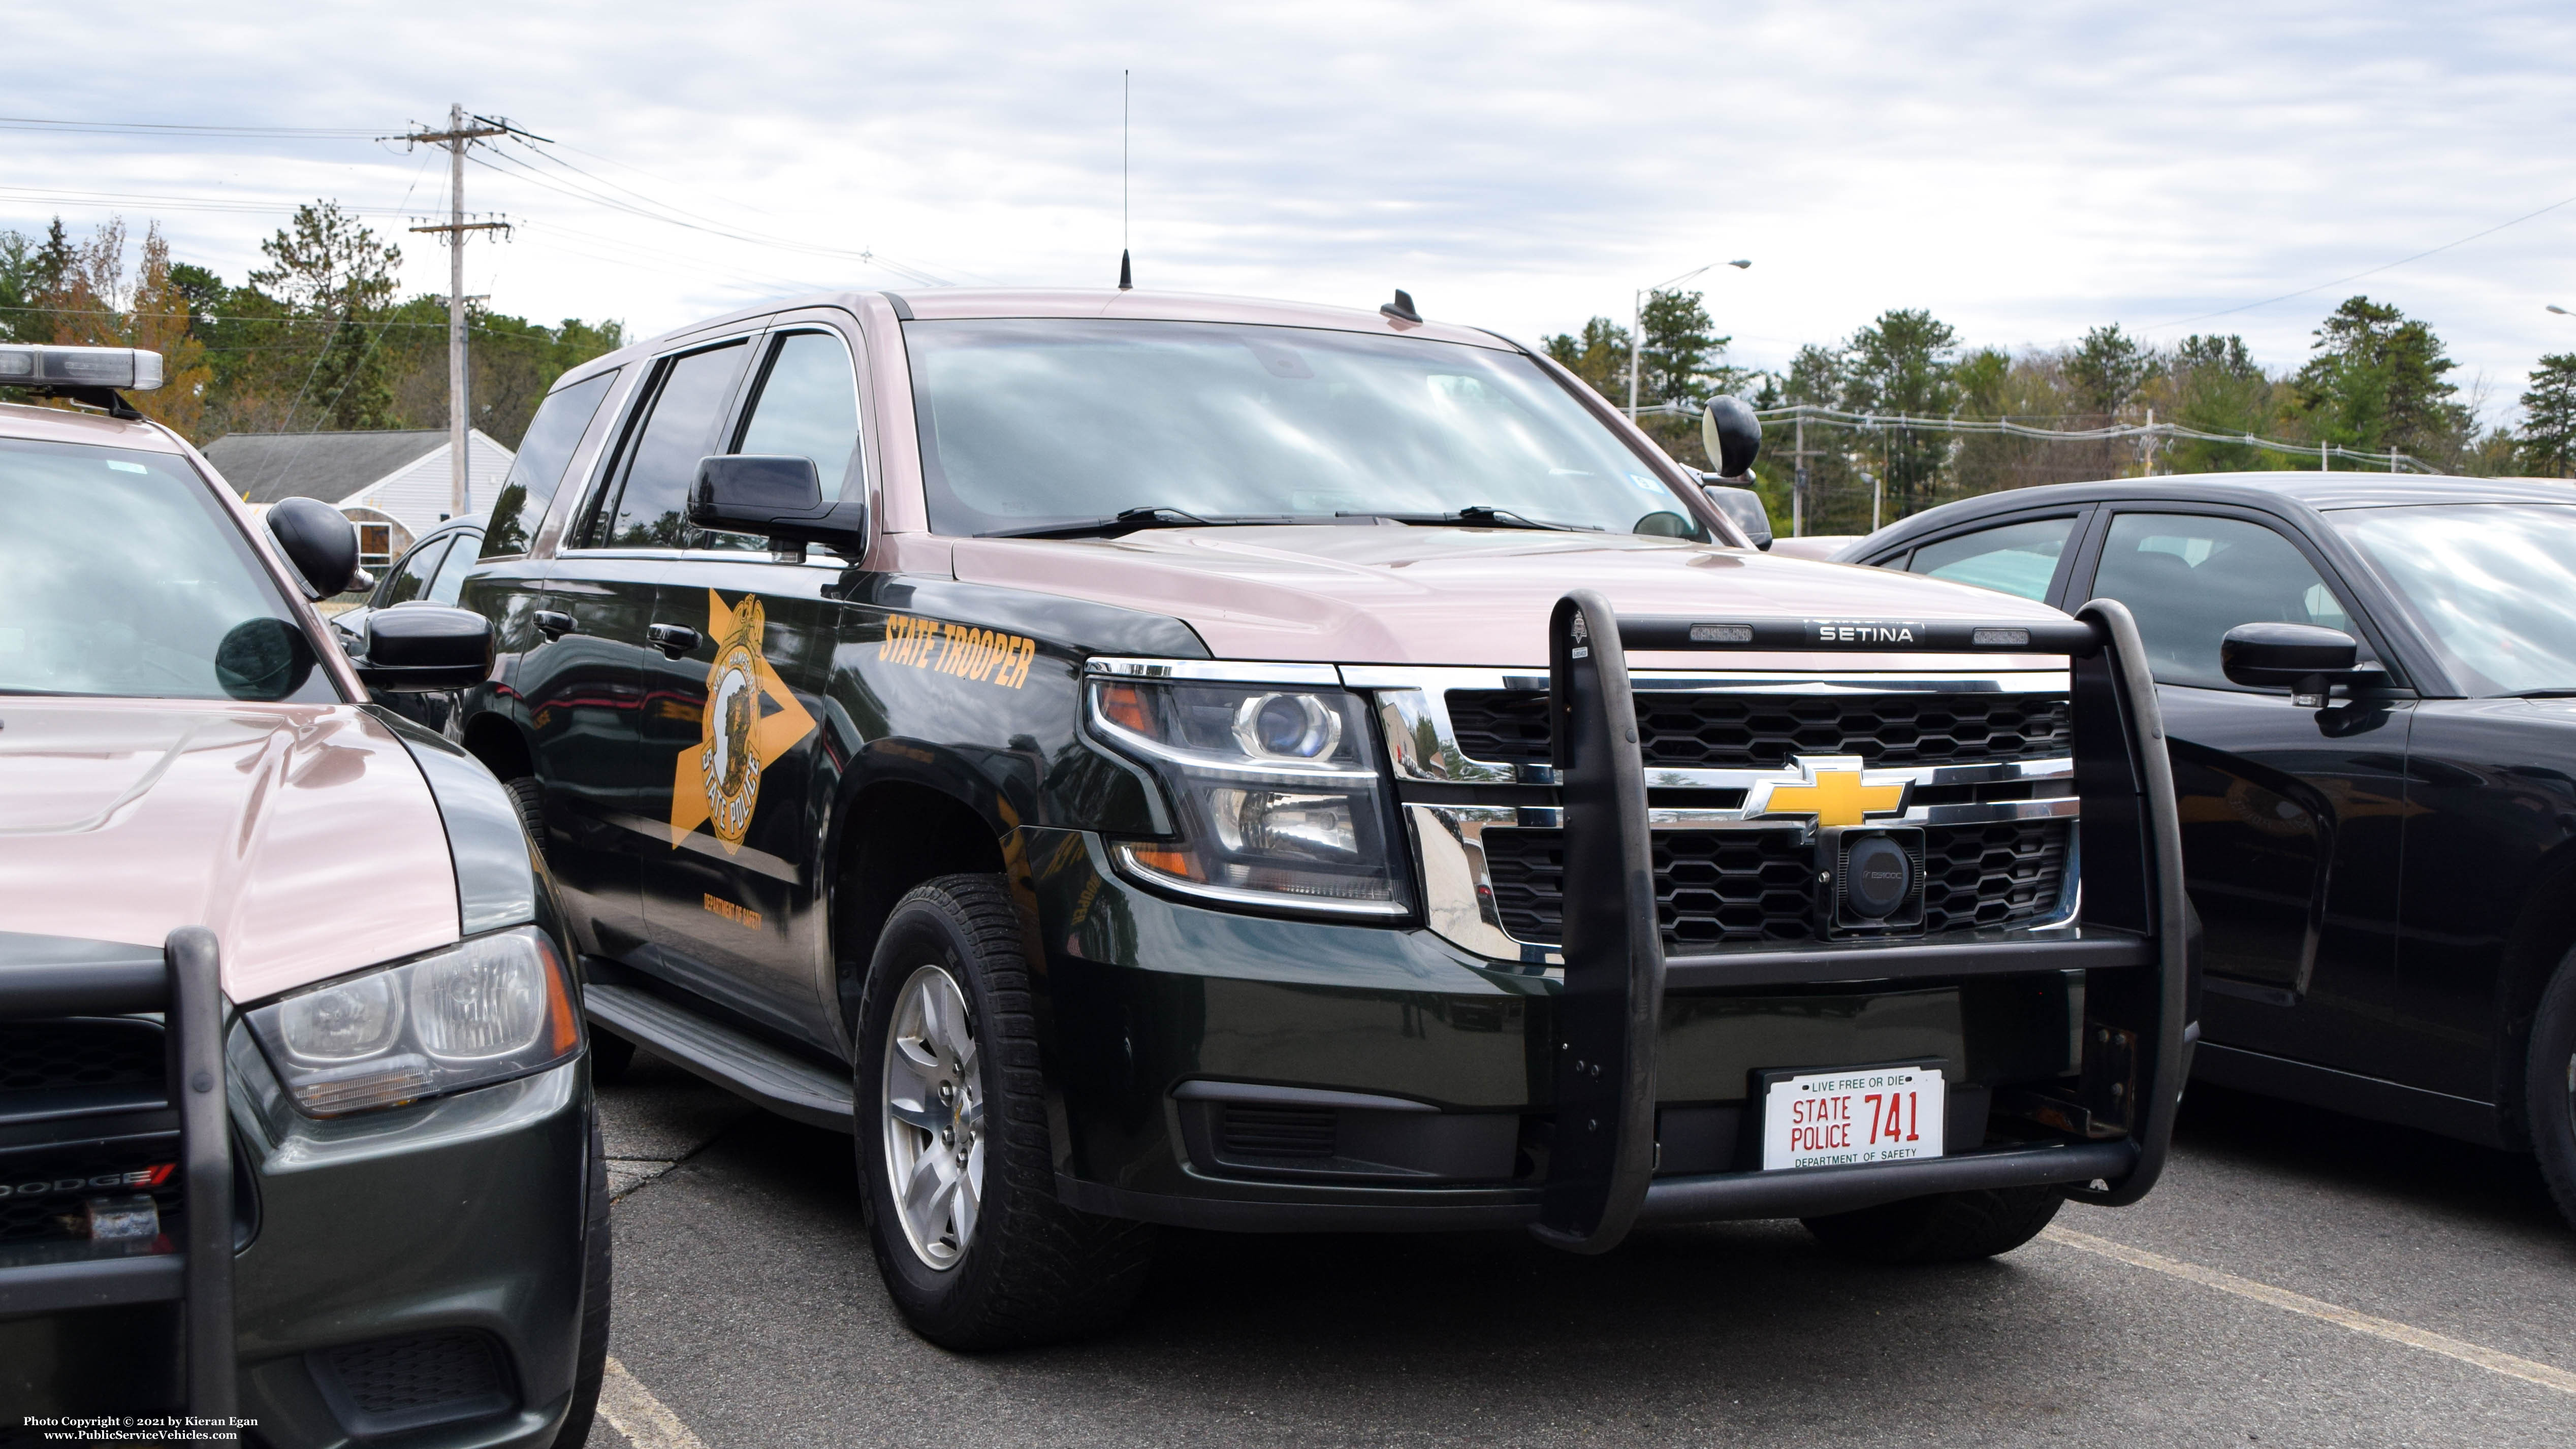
[2547, 441]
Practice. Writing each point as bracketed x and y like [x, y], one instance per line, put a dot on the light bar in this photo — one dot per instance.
[131, 368]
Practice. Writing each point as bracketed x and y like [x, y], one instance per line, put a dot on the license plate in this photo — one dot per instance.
[1839, 1119]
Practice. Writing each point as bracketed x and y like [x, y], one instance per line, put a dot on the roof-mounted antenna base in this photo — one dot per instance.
[1126, 274]
[1401, 309]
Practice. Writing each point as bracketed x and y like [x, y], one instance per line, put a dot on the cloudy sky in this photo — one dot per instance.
[2025, 171]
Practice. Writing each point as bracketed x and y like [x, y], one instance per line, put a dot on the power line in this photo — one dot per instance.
[163, 128]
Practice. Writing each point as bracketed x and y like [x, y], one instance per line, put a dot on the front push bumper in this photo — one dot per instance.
[1164, 1018]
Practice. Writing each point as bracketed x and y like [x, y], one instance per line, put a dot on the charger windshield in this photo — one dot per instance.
[1032, 425]
[2492, 582]
[120, 574]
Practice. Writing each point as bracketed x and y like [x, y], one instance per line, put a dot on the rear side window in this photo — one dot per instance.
[2190, 579]
[411, 581]
[539, 468]
[2017, 558]
[808, 408]
[449, 581]
[663, 458]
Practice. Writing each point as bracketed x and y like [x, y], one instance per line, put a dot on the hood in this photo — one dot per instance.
[1465, 596]
[303, 835]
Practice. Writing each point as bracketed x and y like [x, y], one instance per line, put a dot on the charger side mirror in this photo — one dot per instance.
[2302, 658]
[777, 497]
[425, 648]
[320, 544]
[1742, 505]
[1732, 434]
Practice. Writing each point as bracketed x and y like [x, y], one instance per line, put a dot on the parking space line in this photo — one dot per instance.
[631, 1410]
[2490, 1359]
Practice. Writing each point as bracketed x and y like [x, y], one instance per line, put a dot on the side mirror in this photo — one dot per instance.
[1731, 433]
[319, 542]
[780, 498]
[2302, 658]
[1744, 506]
[426, 648]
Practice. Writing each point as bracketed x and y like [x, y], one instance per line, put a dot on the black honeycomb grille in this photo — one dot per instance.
[1758, 887]
[420, 1371]
[1762, 731]
[38, 1055]
[1247, 1130]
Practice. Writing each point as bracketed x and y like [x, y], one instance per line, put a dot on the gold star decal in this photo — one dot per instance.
[750, 719]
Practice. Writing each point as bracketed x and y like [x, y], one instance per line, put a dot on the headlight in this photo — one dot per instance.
[1280, 800]
[478, 1012]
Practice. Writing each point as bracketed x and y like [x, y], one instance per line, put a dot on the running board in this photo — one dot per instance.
[743, 1065]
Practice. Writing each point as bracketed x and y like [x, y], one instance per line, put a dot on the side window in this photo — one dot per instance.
[538, 470]
[808, 407]
[663, 456]
[411, 580]
[2189, 580]
[449, 581]
[2017, 558]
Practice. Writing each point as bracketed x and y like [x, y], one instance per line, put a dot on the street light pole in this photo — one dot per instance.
[1637, 323]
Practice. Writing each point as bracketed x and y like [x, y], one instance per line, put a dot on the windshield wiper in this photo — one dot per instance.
[2563, 691]
[1478, 515]
[1130, 520]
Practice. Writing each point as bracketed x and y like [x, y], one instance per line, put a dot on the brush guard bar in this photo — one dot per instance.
[1601, 1178]
[186, 989]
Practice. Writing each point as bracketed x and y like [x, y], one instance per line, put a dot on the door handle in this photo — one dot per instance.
[673, 640]
[552, 623]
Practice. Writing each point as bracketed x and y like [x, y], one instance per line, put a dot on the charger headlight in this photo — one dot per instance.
[1278, 794]
[479, 1012]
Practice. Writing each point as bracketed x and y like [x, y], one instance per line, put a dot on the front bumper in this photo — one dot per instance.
[316, 1271]
[1228, 1071]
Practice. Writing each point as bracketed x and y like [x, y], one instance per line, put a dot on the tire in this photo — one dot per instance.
[610, 1056]
[1950, 1227]
[987, 1257]
[596, 1281]
[2549, 1087]
[529, 795]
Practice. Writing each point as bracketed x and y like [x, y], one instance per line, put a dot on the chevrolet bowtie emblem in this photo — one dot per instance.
[1830, 789]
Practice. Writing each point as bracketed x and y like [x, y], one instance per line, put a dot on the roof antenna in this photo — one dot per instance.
[1126, 273]
[1401, 309]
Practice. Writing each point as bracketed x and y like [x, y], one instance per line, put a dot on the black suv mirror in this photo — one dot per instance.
[424, 648]
[1732, 434]
[320, 543]
[780, 498]
[2302, 658]
[1744, 506]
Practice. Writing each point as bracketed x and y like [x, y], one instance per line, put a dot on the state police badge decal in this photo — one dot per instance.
[749, 720]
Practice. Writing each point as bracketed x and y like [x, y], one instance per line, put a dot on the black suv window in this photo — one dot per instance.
[2016, 558]
[808, 407]
[663, 458]
[2191, 579]
[538, 470]
[411, 580]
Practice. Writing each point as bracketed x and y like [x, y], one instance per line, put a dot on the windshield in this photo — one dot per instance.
[1032, 424]
[2494, 583]
[121, 574]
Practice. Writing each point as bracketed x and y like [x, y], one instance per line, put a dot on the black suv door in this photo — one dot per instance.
[587, 693]
[732, 733]
[2290, 814]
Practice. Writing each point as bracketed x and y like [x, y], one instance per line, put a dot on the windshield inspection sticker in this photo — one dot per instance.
[968, 652]
[751, 719]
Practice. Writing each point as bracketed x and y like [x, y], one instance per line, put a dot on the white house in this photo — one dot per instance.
[397, 475]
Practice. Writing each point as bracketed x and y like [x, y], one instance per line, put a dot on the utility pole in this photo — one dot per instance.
[456, 138]
[1798, 480]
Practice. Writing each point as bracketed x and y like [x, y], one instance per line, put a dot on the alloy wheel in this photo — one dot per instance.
[934, 1118]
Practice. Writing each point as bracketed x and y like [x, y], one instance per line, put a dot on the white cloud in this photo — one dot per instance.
[2025, 172]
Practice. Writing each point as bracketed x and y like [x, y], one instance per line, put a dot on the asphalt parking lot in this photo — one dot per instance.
[2297, 1280]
